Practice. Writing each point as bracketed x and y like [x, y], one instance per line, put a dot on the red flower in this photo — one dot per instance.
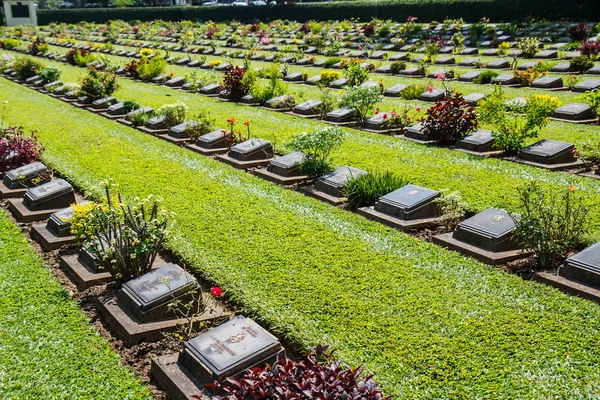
[247, 123]
[231, 120]
[223, 130]
[171, 74]
[377, 111]
[384, 116]
[418, 108]
[216, 291]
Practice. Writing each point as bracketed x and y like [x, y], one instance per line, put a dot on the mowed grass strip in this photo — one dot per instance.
[48, 350]
[428, 322]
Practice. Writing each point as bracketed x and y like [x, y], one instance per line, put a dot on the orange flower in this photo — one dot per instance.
[231, 120]
[571, 188]
[247, 123]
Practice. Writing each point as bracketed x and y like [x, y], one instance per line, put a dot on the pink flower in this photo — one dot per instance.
[394, 113]
[418, 108]
[429, 88]
[216, 291]
[441, 77]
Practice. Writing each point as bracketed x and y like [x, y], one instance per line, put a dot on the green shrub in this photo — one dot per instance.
[317, 147]
[412, 92]
[149, 69]
[511, 131]
[174, 114]
[485, 77]
[27, 67]
[355, 74]
[366, 189]
[49, 74]
[10, 44]
[202, 125]
[581, 64]
[529, 46]
[329, 76]
[361, 100]
[397, 67]
[551, 224]
[330, 62]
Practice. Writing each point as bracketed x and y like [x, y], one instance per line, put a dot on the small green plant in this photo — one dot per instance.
[27, 67]
[329, 76]
[355, 73]
[361, 100]
[364, 190]
[202, 125]
[317, 147]
[412, 92]
[174, 114]
[529, 46]
[49, 74]
[511, 131]
[485, 77]
[97, 84]
[551, 224]
[593, 99]
[151, 68]
[125, 238]
[397, 67]
[453, 209]
[589, 153]
[581, 64]
[130, 105]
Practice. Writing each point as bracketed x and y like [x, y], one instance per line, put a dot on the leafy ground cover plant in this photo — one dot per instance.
[317, 147]
[318, 376]
[366, 189]
[450, 119]
[485, 77]
[125, 238]
[552, 224]
[17, 148]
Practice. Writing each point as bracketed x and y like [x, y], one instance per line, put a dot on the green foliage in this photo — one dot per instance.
[27, 67]
[148, 69]
[453, 208]
[317, 147]
[9, 44]
[31, 293]
[593, 99]
[470, 10]
[552, 224]
[362, 100]
[174, 114]
[49, 74]
[397, 67]
[274, 87]
[581, 64]
[355, 74]
[364, 190]
[329, 76]
[485, 77]
[412, 92]
[325, 260]
[511, 131]
[126, 237]
[97, 84]
[529, 46]
[130, 105]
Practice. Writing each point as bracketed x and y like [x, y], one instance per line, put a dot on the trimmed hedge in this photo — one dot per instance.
[399, 10]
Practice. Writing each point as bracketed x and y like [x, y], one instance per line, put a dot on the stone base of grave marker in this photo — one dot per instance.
[568, 286]
[131, 331]
[243, 164]
[284, 170]
[488, 257]
[84, 277]
[23, 214]
[48, 240]
[278, 179]
[397, 223]
[207, 152]
[6, 193]
[176, 380]
[311, 191]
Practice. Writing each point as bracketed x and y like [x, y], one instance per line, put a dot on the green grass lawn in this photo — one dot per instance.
[428, 322]
[482, 182]
[48, 350]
